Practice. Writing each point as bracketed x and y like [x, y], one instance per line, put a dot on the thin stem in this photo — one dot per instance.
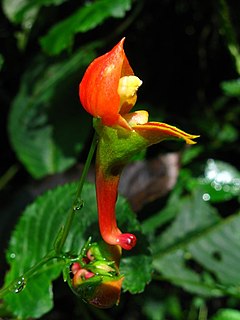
[203, 312]
[20, 282]
[77, 203]
[8, 175]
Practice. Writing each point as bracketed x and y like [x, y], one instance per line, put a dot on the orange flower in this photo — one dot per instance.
[108, 91]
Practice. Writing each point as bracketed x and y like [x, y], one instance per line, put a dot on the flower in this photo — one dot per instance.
[108, 91]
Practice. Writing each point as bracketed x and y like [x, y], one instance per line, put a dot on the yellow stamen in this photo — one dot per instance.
[127, 89]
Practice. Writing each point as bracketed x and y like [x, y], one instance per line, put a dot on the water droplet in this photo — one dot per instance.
[217, 186]
[206, 197]
[226, 188]
[12, 255]
[19, 285]
[78, 205]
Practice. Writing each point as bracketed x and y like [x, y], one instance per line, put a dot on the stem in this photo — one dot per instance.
[21, 280]
[8, 175]
[77, 203]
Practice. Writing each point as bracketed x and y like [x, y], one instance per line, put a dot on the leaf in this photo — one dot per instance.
[138, 262]
[17, 11]
[199, 251]
[32, 240]
[231, 88]
[227, 314]
[47, 125]
[61, 36]
[157, 220]
[189, 154]
[142, 266]
[35, 234]
[221, 181]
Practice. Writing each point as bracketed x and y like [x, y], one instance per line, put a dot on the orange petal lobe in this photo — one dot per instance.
[156, 132]
[98, 88]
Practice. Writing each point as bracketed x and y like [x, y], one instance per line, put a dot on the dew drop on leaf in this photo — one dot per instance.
[12, 255]
[206, 197]
[78, 205]
[18, 285]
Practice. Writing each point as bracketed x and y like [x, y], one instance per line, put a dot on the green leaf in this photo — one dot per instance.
[199, 251]
[142, 266]
[138, 262]
[221, 181]
[227, 314]
[34, 237]
[190, 154]
[47, 125]
[18, 11]
[151, 224]
[231, 88]
[61, 36]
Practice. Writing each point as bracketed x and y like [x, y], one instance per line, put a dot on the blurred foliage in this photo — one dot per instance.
[186, 264]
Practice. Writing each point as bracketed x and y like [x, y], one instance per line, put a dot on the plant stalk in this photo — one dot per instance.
[78, 202]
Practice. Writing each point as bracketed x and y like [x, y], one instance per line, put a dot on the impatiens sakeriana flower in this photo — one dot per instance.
[108, 91]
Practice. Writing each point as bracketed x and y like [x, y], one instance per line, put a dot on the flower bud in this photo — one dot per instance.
[95, 276]
[102, 292]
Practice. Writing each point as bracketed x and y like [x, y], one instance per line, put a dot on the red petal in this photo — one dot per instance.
[98, 88]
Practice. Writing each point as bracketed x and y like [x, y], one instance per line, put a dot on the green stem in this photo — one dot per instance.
[8, 175]
[18, 284]
[77, 204]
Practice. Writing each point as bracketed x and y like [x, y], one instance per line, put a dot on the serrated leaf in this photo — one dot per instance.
[138, 262]
[47, 125]
[61, 36]
[142, 266]
[199, 248]
[34, 237]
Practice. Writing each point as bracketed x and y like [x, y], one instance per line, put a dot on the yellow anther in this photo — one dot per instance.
[127, 88]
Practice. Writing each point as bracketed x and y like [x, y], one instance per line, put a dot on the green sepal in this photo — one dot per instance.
[117, 146]
[102, 268]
